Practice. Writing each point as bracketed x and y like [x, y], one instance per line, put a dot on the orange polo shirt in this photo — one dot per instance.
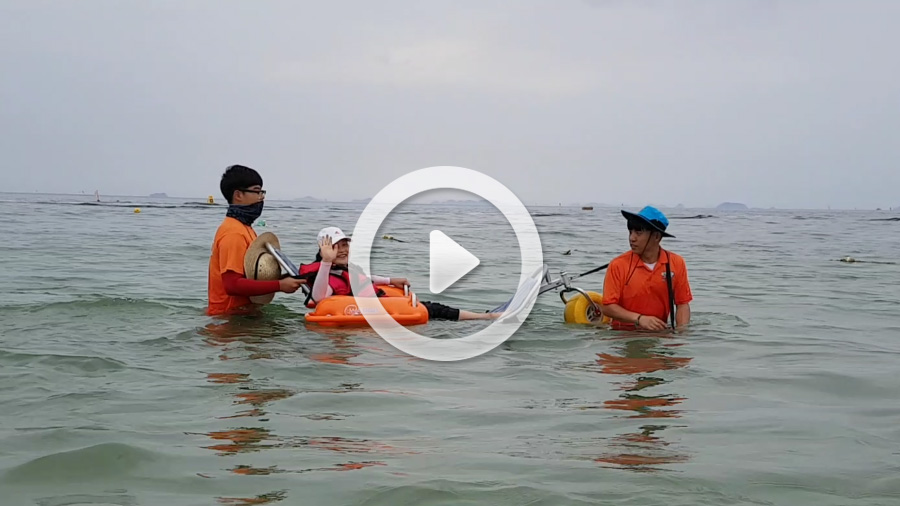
[631, 284]
[231, 243]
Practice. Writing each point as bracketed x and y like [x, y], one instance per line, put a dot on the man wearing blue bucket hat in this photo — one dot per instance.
[648, 285]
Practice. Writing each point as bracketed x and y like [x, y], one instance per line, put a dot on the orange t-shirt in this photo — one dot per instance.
[631, 284]
[231, 243]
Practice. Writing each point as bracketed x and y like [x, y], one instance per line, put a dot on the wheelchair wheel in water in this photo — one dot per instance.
[580, 310]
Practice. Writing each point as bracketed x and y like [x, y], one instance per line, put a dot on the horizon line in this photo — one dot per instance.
[570, 204]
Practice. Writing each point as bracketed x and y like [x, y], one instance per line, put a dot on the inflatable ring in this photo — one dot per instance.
[579, 310]
[342, 310]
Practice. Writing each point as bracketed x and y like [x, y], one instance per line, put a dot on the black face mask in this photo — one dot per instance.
[245, 214]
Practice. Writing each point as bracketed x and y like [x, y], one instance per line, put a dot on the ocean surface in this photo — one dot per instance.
[116, 389]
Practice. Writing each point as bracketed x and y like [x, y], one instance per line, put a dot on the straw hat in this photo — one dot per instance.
[259, 264]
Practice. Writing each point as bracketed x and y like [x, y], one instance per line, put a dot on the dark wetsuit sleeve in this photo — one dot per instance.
[236, 284]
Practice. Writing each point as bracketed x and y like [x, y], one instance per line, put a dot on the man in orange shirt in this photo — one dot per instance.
[643, 285]
[229, 291]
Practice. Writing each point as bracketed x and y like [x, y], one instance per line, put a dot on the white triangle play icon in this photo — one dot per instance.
[448, 262]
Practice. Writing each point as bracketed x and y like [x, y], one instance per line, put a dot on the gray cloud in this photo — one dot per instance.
[789, 104]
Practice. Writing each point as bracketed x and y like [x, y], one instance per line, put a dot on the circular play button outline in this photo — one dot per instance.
[433, 178]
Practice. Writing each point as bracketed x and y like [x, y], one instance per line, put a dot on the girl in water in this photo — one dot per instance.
[329, 275]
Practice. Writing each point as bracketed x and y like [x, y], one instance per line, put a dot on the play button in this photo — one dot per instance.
[448, 262]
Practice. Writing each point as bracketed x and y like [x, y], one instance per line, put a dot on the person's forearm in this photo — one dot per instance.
[617, 312]
[237, 285]
[682, 315]
[321, 288]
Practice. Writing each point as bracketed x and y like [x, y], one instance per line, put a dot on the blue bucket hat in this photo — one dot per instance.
[653, 217]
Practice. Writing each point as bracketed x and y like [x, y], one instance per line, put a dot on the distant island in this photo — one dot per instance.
[311, 199]
[158, 196]
[731, 206]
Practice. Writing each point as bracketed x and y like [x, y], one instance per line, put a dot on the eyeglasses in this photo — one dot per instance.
[258, 192]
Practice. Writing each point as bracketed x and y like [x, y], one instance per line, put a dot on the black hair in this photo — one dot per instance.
[641, 226]
[637, 225]
[238, 177]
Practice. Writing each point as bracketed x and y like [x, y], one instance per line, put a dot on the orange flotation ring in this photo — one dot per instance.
[342, 310]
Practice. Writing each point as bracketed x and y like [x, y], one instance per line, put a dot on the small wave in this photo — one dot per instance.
[92, 304]
[442, 491]
[717, 320]
[886, 219]
[169, 341]
[120, 204]
[83, 499]
[107, 460]
[75, 363]
[851, 260]
[695, 217]
[749, 245]
[60, 428]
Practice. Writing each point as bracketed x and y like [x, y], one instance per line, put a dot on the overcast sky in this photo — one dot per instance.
[770, 103]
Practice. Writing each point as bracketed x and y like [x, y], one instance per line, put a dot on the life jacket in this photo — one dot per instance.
[338, 280]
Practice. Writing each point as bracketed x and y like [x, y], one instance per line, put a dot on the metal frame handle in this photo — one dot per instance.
[566, 282]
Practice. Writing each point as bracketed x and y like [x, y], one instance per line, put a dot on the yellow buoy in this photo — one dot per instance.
[137, 210]
[209, 200]
[579, 310]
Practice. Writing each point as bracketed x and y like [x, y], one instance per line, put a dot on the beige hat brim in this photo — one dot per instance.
[260, 265]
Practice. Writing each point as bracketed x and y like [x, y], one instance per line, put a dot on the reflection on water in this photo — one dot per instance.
[251, 501]
[260, 398]
[252, 338]
[346, 349]
[261, 336]
[640, 358]
[225, 377]
[243, 440]
[641, 451]
[263, 471]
